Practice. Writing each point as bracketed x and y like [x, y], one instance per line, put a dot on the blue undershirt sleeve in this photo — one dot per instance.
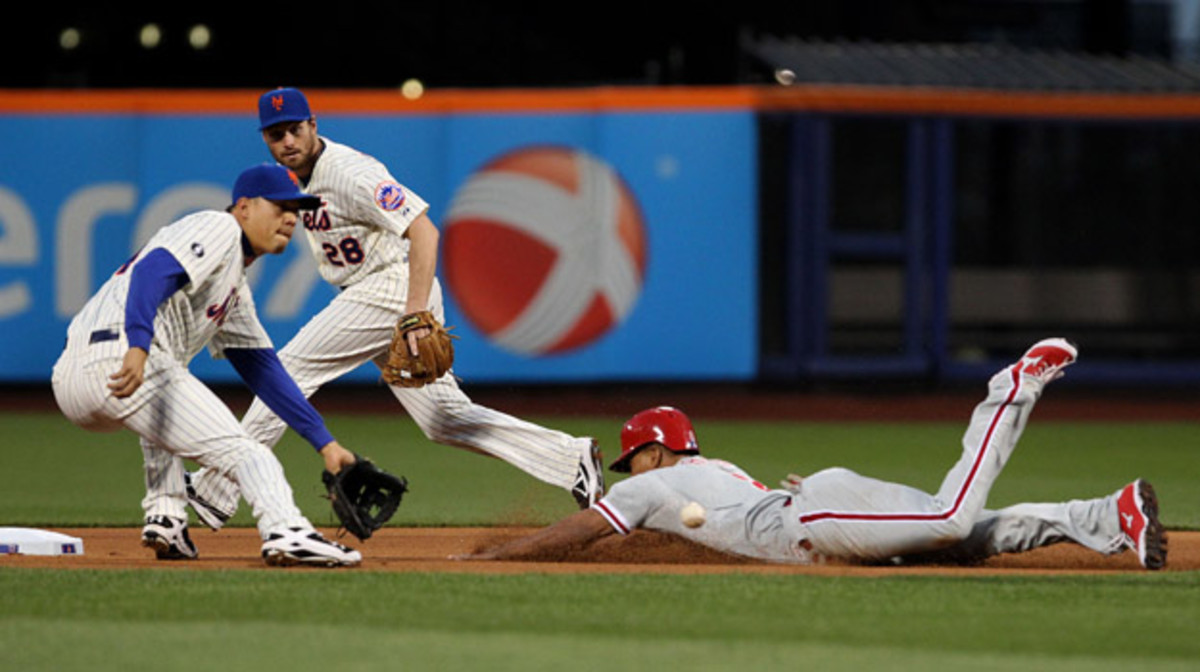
[266, 377]
[155, 278]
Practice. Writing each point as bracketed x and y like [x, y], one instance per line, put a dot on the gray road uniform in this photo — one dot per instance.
[839, 513]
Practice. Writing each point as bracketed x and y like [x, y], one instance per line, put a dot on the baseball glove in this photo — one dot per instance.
[435, 352]
[364, 497]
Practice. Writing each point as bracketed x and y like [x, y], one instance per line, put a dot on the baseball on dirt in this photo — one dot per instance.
[692, 515]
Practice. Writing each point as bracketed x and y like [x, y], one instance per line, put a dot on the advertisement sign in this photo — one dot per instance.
[586, 246]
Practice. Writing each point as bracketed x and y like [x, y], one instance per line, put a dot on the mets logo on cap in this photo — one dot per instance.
[389, 196]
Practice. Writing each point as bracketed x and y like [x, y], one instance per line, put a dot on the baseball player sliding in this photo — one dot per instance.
[127, 353]
[840, 514]
[373, 239]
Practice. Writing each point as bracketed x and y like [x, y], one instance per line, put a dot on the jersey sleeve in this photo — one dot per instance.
[154, 279]
[629, 503]
[262, 371]
[202, 242]
[382, 201]
[242, 328]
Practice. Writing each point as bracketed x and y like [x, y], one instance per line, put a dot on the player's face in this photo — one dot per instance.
[646, 459]
[268, 224]
[294, 144]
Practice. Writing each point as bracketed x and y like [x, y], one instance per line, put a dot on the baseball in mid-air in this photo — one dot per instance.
[692, 515]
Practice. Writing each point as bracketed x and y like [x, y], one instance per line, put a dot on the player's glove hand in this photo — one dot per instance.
[364, 497]
[433, 356]
[792, 483]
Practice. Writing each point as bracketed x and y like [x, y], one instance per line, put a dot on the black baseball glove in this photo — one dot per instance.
[364, 497]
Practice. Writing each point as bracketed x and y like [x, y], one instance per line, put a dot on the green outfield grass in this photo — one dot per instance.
[57, 475]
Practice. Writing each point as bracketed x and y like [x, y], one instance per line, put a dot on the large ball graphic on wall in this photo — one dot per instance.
[544, 250]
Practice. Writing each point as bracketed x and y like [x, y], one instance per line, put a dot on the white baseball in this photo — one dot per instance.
[692, 515]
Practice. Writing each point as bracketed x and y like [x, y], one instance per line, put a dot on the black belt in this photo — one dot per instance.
[102, 335]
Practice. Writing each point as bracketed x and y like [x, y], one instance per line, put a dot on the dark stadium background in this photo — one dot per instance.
[450, 43]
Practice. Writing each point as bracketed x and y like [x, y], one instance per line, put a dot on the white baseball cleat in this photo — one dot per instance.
[1137, 507]
[210, 515]
[298, 546]
[589, 480]
[1047, 358]
[169, 538]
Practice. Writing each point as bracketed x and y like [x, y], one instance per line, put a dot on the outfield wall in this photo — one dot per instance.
[826, 232]
[87, 178]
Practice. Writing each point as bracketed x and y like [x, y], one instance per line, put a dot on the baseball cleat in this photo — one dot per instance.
[169, 539]
[212, 517]
[589, 480]
[298, 546]
[1137, 507]
[1047, 358]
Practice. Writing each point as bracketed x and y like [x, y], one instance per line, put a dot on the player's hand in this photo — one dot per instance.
[413, 336]
[336, 457]
[792, 483]
[132, 374]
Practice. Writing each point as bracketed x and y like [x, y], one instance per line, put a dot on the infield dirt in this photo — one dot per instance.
[430, 550]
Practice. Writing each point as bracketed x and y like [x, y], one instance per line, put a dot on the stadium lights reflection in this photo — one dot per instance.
[412, 89]
[199, 36]
[150, 36]
[69, 39]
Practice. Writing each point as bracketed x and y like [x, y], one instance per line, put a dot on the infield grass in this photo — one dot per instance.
[58, 475]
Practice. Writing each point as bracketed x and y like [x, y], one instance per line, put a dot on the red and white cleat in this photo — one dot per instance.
[1047, 359]
[1137, 506]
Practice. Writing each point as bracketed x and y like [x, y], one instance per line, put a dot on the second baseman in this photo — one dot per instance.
[839, 513]
[373, 239]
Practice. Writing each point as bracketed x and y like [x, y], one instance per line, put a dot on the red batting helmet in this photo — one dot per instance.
[665, 425]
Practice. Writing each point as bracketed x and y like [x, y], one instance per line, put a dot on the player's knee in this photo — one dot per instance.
[956, 528]
[440, 430]
[444, 424]
[228, 455]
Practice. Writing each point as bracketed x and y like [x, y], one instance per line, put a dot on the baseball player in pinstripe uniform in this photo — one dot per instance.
[838, 513]
[374, 240]
[127, 352]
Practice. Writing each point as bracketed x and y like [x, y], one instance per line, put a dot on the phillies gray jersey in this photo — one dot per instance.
[358, 231]
[215, 308]
[839, 513]
[743, 516]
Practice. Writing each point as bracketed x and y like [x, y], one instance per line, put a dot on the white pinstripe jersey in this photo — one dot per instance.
[215, 308]
[358, 231]
[743, 516]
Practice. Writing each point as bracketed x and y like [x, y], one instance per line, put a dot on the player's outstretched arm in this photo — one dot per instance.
[550, 543]
[262, 371]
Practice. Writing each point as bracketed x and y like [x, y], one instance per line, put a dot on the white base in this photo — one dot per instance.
[28, 541]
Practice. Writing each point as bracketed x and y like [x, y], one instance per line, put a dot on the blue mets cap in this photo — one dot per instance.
[274, 183]
[280, 105]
